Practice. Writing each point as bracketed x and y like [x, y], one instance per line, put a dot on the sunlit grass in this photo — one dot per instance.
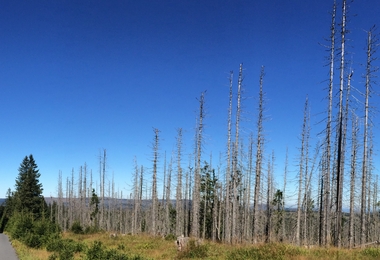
[149, 247]
[26, 253]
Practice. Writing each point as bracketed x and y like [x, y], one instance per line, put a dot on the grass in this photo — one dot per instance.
[148, 247]
[26, 253]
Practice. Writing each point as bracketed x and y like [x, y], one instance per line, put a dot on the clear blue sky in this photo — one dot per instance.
[80, 76]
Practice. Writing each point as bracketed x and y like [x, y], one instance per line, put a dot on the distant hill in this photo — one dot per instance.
[2, 201]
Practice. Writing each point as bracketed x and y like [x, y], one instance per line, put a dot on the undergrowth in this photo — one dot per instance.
[141, 247]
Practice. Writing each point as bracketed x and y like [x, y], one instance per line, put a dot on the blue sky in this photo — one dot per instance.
[81, 76]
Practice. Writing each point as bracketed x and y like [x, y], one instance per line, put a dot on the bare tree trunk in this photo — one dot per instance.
[102, 172]
[227, 224]
[186, 204]
[340, 152]
[368, 76]
[268, 226]
[154, 183]
[168, 201]
[354, 150]
[303, 158]
[283, 236]
[162, 215]
[197, 179]
[375, 209]
[235, 168]
[369, 197]
[136, 197]
[247, 214]
[179, 202]
[308, 175]
[85, 218]
[259, 159]
[324, 228]
[60, 218]
[72, 200]
[140, 220]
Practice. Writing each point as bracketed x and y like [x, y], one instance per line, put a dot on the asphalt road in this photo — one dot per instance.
[6, 250]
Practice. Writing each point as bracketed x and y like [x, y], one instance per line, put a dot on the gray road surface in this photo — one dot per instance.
[6, 250]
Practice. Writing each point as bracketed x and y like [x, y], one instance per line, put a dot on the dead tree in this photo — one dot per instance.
[197, 178]
[324, 223]
[154, 183]
[236, 174]
[371, 49]
[168, 195]
[227, 224]
[259, 159]
[136, 200]
[283, 236]
[302, 162]
[179, 203]
[354, 151]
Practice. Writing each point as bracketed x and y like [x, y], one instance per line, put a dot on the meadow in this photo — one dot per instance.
[141, 247]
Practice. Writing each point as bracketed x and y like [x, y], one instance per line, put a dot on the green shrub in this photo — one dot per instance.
[76, 228]
[33, 233]
[66, 248]
[372, 252]
[91, 230]
[54, 245]
[53, 256]
[73, 246]
[19, 225]
[267, 251]
[98, 252]
[46, 230]
[170, 237]
[66, 254]
[194, 250]
[121, 247]
[32, 240]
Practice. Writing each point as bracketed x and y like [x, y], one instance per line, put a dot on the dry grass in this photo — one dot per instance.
[26, 253]
[158, 248]
[143, 245]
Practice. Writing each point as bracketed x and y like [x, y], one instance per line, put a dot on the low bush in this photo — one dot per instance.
[33, 233]
[54, 245]
[266, 251]
[64, 249]
[53, 256]
[194, 250]
[32, 240]
[372, 252]
[76, 228]
[91, 230]
[98, 252]
[170, 237]
[19, 225]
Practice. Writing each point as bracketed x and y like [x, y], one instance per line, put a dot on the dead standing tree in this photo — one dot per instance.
[154, 184]
[302, 172]
[236, 173]
[197, 179]
[354, 152]
[259, 159]
[227, 225]
[371, 49]
[179, 203]
[324, 217]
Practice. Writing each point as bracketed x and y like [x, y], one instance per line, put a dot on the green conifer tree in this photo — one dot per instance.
[27, 197]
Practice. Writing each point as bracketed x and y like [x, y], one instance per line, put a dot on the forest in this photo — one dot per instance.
[239, 200]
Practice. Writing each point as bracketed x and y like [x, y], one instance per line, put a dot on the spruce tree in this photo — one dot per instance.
[28, 195]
